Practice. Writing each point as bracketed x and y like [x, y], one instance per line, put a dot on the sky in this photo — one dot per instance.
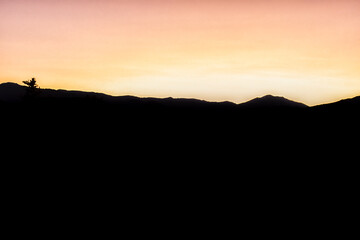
[216, 50]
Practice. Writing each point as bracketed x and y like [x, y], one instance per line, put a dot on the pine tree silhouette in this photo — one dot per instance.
[32, 88]
[31, 84]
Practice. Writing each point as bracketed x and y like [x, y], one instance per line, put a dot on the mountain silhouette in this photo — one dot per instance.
[350, 104]
[180, 139]
[273, 101]
[12, 92]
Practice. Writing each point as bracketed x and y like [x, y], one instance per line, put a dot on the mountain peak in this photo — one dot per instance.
[9, 84]
[269, 96]
[272, 101]
[11, 91]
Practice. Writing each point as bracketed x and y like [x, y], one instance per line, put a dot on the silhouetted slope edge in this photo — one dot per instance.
[352, 104]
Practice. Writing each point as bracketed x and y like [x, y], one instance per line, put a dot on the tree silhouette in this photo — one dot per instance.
[31, 84]
[32, 88]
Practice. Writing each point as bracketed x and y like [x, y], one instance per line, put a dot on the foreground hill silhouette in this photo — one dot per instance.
[12, 93]
[147, 151]
[264, 110]
[186, 127]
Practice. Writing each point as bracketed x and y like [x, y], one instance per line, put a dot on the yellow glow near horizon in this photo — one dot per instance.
[215, 50]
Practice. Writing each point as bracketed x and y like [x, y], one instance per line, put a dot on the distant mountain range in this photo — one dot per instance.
[122, 128]
[12, 92]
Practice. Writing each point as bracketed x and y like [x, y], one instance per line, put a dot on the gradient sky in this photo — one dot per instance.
[235, 50]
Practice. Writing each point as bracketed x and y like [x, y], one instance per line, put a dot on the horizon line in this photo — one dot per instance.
[189, 98]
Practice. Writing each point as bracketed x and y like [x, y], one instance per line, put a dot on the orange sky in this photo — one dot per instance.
[306, 50]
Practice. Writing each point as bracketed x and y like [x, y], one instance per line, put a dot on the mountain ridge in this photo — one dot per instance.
[153, 126]
[13, 92]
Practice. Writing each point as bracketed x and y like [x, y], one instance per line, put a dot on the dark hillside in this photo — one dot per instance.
[149, 150]
[186, 128]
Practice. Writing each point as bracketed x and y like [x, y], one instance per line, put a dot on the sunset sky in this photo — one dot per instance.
[216, 50]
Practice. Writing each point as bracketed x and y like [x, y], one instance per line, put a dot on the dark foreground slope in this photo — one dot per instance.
[180, 160]
[80, 125]
[164, 128]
